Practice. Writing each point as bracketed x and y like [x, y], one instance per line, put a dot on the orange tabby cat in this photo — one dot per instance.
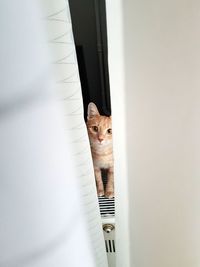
[100, 135]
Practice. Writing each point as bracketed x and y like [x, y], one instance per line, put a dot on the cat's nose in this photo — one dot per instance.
[100, 139]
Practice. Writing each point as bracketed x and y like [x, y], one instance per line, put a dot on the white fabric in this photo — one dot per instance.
[42, 222]
[61, 45]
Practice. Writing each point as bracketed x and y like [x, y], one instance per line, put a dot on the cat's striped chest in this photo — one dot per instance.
[103, 159]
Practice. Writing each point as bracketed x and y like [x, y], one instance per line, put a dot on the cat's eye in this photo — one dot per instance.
[109, 131]
[95, 128]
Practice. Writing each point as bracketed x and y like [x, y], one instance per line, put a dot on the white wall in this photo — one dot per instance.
[117, 86]
[162, 98]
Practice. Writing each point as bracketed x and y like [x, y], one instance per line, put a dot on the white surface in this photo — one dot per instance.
[61, 45]
[42, 222]
[15, 32]
[161, 54]
[37, 192]
[117, 87]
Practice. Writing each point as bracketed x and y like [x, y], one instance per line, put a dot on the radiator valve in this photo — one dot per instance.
[108, 227]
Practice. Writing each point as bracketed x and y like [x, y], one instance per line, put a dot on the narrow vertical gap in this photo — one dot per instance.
[106, 245]
[110, 246]
[113, 242]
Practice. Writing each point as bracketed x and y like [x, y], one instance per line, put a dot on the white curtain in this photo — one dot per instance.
[48, 205]
[65, 67]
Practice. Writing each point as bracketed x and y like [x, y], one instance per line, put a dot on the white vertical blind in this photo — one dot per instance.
[61, 45]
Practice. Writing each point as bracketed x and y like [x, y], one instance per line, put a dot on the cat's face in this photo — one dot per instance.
[99, 127]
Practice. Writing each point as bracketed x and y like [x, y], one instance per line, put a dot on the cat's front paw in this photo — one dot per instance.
[109, 194]
[100, 193]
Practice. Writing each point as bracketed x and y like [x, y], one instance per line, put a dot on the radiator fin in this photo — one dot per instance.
[107, 207]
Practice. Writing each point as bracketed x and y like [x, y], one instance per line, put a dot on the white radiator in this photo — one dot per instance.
[107, 210]
[109, 235]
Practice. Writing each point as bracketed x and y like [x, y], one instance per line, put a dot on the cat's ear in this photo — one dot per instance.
[92, 110]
